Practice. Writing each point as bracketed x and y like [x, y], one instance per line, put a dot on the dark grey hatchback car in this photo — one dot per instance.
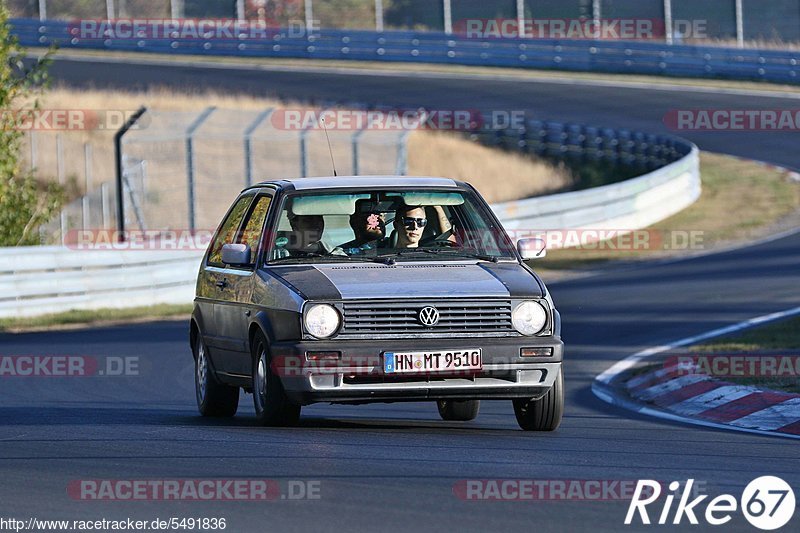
[373, 289]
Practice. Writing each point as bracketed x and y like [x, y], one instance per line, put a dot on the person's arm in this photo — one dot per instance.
[444, 223]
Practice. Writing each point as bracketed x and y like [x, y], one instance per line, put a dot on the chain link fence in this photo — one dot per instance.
[181, 170]
[775, 22]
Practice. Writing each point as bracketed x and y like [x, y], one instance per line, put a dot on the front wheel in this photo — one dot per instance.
[273, 407]
[458, 410]
[213, 398]
[545, 413]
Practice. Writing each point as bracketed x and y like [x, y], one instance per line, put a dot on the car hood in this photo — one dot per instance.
[412, 280]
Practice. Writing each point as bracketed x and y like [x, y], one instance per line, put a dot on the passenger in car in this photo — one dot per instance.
[369, 227]
[308, 230]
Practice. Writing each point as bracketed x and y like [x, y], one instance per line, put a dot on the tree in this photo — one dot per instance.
[24, 203]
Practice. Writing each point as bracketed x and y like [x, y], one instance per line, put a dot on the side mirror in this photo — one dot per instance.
[236, 254]
[532, 248]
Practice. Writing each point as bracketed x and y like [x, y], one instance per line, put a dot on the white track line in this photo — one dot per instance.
[601, 388]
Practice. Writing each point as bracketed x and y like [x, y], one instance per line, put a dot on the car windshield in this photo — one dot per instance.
[387, 226]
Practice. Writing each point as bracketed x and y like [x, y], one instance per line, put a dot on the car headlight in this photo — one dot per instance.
[322, 320]
[529, 318]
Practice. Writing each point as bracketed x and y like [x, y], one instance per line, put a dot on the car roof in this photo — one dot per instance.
[340, 182]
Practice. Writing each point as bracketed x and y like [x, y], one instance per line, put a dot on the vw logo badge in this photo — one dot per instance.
[429, 316]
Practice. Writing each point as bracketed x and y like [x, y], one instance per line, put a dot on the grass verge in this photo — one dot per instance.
[98, 317]
[742, 201]
[784, 335]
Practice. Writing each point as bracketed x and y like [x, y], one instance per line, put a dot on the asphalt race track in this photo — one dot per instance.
[394, 467]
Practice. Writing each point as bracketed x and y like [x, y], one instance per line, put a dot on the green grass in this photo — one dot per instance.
[784, 335]
[94, 317]
[741, 202]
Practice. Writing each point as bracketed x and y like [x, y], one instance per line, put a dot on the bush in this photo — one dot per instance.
[24, 203]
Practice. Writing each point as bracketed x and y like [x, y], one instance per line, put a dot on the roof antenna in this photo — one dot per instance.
[330, 149]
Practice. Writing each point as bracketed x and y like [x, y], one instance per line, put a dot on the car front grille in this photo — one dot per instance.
[403, 318]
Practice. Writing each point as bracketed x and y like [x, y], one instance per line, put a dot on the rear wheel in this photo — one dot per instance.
[545, 413]
[458, 410]
[273, 407]
[213, 398]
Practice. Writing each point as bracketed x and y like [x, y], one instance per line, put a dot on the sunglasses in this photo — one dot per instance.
[409, 222]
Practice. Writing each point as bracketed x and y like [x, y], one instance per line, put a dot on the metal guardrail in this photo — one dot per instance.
[434, 47]
[51, 279]
[54, 279]
[42, 280]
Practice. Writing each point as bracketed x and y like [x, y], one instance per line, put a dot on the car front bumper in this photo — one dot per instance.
[358, 375]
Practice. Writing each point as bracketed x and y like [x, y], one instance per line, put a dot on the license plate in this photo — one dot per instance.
[440, 361]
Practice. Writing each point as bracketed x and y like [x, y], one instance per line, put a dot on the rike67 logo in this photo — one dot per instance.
[767, 503]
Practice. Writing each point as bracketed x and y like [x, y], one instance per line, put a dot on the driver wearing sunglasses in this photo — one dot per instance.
[410, 223]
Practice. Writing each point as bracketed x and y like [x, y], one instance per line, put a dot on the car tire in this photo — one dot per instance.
[214, 399]
[273, 407]
[458, 410]
[545, 413]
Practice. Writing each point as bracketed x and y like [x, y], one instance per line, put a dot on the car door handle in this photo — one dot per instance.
[222, 284]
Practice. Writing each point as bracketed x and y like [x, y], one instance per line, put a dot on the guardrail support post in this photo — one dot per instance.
[448, 17]
[240, 10]
[42, 9]
[739, 24]
[190, 162]
[110, 9]
[521, 18]
[248, 145]
[118, 157]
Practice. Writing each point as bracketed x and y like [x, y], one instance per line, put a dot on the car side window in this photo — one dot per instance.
[254, 226]
[227, 230]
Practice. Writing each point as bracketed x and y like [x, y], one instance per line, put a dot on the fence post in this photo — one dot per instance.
[176, 9]
[739, 24]
[104, 204]
[42, 9]
[379, 16]
[118, 160]
[597, 15]
[190, 131]
[309, 16]
[87, 176]
[355, 149]
[668, 21]
[248, 145]
[402, 154]
[521, 18]
[304, 154]
[60, 158]
[110, 9]
[448, 17]
[33, 150]
[241, 14]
